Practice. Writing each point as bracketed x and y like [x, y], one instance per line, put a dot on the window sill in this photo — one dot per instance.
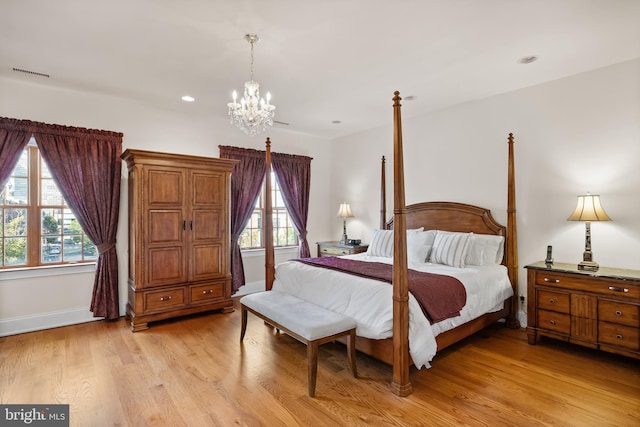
[250, 253]
[53, 270]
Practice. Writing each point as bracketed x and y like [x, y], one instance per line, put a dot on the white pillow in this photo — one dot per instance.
[485, 249]
[450, 248]
[382, 242]
[419, 245]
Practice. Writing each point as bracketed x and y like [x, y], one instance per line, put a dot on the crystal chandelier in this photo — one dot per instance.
[252, 114]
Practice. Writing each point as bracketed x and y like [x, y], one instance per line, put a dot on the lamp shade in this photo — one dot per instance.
[344, 211]
[589, 209]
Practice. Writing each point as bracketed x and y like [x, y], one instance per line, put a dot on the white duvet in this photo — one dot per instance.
[370, 302]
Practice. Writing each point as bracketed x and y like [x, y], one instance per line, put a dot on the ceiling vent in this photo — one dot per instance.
[33, 73]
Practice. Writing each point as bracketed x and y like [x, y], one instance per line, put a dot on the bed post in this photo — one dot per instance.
[512, 247]
[400, 384]
[383, 197]
[268, 223]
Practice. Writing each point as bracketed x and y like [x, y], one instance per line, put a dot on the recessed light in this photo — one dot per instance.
[528, 59]
[410, 98]
[336, 122]
[188, 98]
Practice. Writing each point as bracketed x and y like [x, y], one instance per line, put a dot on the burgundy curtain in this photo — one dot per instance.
[86, 166]
[246, 183]
[14, 136]
[294, 176]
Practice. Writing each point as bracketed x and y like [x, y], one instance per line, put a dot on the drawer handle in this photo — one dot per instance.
[165, 298]
[617, 289]
[547, 280]
[618, 313]
[552, 301]
[208, 291]
[553, 322]
[619, 336]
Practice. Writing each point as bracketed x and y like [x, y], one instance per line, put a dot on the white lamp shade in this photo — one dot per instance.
[589, 209]
[344, 211]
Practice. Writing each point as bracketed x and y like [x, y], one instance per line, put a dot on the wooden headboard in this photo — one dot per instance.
[452, 216]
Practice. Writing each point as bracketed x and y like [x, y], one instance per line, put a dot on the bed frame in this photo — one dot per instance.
[449, 216]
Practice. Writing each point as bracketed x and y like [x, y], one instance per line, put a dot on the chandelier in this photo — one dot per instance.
[252, 114]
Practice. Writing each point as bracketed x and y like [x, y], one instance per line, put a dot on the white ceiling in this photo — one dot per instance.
[322, 60]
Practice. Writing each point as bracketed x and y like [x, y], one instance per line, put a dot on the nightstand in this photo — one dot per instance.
[597, 309]
[337, 249]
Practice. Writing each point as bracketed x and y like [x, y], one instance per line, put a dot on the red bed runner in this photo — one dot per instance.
[439, 296]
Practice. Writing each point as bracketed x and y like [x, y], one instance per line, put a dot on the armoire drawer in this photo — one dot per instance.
[206, 292]
[163, 299]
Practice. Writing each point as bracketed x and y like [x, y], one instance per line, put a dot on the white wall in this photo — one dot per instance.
[55, 297]
[573, 135]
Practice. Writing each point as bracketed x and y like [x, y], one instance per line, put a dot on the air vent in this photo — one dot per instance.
[34, 73]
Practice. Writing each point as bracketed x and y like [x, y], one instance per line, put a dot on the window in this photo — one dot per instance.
[38, 228]
[284, 233]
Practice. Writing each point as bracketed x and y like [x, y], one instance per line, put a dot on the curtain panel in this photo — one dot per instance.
[86, 166]
[246, 181]
[294, 176]
[14, 137]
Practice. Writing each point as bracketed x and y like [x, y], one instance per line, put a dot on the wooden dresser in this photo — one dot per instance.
[597, 309]
[338, 249]
[179, 240]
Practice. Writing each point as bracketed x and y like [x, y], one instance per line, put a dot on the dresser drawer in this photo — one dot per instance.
[338, 249]
[619, 335]
[208, 292]
[583, 282]
[557, 322]
[163, 299]
[620, 289]
[329, 251]
[619, 312]
[554, 301]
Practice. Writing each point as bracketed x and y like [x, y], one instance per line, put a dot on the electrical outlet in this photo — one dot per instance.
[521, 298]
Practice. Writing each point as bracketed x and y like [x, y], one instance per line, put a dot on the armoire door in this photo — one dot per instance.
[165, 225]
[207, 222]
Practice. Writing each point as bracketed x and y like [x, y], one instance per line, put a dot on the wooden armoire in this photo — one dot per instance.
[179, 238]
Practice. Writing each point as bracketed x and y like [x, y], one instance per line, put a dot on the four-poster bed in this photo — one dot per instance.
[443, 216]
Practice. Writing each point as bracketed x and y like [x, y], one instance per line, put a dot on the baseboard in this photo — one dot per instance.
[40, 321]
[522, 317]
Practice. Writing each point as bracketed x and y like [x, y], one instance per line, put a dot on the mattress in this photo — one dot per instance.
[370, 302]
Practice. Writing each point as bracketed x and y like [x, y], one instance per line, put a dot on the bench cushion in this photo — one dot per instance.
[301, 317]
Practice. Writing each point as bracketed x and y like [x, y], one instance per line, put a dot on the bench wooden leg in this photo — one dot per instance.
[243, 316]
[351, 349]
[312, 361]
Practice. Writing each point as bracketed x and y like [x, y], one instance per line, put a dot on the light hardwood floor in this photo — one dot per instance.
[194, 372]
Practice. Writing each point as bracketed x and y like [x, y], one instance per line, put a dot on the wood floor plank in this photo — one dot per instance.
[194, 371]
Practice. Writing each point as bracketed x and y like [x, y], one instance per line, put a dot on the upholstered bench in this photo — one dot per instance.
[308, 323]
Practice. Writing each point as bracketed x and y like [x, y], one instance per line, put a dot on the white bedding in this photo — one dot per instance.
[369, 302]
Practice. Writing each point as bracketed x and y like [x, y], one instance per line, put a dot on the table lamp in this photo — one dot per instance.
[588, 209]
[344, 212]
